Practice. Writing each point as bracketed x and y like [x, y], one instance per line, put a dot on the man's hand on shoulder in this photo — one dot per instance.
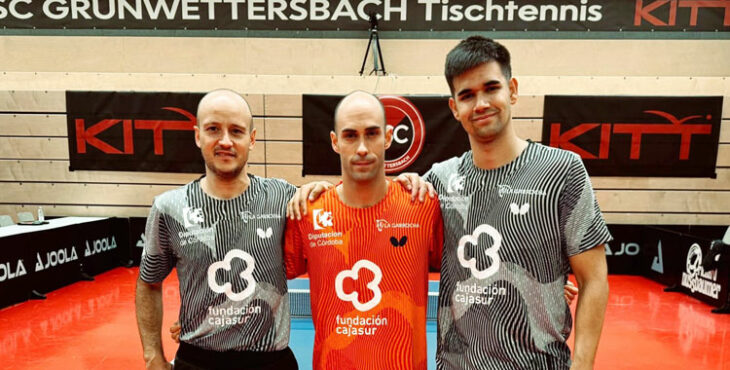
[297, 206]
[417, 186]
[175, 331]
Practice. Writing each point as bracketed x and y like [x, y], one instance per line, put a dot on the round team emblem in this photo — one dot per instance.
[409, 132]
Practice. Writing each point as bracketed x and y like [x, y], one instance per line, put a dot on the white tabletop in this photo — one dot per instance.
[52, 224]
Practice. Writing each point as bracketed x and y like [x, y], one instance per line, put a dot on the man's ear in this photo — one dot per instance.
[513, 90]
[452, 106]
[333, 139]
[197, 135]
[253, 139]
[388, 136]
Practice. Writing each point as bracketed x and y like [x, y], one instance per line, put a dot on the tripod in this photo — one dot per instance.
[378, 63]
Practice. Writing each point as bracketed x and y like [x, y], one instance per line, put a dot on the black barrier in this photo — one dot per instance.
[46, 260]
[136, 239]
[671, 255]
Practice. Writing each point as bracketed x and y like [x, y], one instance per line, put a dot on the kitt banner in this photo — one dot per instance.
[132, 131]
[637, 136]
[424, 132]
[425, 16]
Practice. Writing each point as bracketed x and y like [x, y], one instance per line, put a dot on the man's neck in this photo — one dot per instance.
[220, 188]
[498, 152]
[362, 194]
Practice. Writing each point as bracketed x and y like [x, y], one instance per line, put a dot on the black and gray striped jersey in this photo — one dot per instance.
[229, 259]
[508, 233]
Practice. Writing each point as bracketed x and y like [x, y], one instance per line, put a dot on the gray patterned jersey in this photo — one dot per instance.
[508, 233]
[228, 255]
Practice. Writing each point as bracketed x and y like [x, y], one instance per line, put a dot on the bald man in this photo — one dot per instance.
[223, 233]
[367, 249]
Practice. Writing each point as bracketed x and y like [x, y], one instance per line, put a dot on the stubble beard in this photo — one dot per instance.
[225, 175]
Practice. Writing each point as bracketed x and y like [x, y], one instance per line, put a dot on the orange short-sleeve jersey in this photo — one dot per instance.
[368, 271]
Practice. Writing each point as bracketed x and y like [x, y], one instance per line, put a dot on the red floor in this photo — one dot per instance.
[91, 325]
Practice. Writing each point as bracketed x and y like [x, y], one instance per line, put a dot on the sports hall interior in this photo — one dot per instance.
[644, 326]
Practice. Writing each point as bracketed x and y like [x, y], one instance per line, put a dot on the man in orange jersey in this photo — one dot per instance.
[367, 248]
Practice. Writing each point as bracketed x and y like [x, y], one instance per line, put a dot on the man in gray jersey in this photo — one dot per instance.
[224, 234]
[517, 217]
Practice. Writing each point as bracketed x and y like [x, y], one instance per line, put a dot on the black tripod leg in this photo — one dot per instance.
[367, 50]
[380, 54]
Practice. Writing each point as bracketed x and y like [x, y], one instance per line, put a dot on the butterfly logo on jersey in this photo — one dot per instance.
[264, 234]
[321, 219]
[519, 210]
[192, 216]
[491, 252]
[354, 274]
[456, 183]
[398, 243]
[246, 275]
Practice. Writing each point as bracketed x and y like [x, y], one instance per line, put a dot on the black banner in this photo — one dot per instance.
[132, 131]
[352, 15]
[637, 136]
[424, 132]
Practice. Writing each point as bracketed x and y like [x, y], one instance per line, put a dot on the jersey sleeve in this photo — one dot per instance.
[295, 260]
[581, 222]
[437, 246]
[158, 258]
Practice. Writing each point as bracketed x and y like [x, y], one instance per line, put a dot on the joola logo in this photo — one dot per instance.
[7, 271]
[55, 258]
[629, 249]
[99, 246]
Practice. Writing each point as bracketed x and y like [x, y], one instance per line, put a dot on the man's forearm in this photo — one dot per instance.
[589, 320]
[148, 303]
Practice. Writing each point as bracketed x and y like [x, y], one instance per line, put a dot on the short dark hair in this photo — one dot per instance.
[473, 52]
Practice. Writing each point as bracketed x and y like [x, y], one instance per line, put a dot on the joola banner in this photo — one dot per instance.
[637, 136]
[424, 132]
[348, 15]
[130, 131]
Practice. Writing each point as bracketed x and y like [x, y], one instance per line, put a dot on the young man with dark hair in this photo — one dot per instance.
[518, 216]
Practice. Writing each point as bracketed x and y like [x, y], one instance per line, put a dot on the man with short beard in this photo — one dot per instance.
[224, 234]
